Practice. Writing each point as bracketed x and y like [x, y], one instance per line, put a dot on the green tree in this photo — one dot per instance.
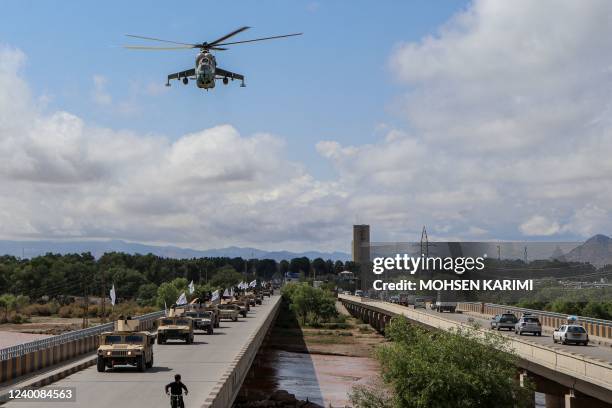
[167, 294]
[147, 294]
[7, 302]
[449, 369]
[226, 277]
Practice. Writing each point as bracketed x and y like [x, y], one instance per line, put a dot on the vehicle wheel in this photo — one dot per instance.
[140, 364]
[101, 365]
[563, 341]
[217, 325]
[210, 330]
[520, 333]
[539, 334]
[586, 343]
[160, 340]
[554, 340]
[499, 329]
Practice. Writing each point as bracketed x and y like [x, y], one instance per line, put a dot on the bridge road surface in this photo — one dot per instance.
[200, 364]
[592, 350]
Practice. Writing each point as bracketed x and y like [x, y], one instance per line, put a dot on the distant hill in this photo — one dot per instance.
[29, 249]
[597, 250]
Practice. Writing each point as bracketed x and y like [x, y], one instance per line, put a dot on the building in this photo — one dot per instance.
[361, 254]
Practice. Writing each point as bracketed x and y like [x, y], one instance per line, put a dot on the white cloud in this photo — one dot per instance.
[62, 178]
[539, 225]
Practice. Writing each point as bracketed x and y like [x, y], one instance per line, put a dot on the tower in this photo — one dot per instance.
[361, 253]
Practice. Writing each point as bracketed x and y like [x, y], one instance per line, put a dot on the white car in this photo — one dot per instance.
[528, 324]
[419, 303]
[571, 333]
[359, 293]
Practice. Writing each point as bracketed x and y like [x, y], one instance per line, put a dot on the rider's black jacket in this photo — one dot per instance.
[176, 388]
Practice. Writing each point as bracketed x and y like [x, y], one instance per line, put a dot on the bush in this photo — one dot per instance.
[312, 305]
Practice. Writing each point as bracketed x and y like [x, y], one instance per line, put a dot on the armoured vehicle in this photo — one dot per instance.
[176, 326]
[126, 345]
[243, 304]
[202, 320]
[229, 311]
[198, 306]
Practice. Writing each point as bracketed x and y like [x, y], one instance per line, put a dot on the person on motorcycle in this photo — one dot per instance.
[176, 390]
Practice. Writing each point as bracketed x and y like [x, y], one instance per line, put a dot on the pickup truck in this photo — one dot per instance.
[229, 312]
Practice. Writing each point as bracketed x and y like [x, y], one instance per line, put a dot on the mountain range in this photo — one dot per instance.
[29, 249]
[596, 250]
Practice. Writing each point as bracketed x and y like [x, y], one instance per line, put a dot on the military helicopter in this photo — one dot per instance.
[206, 71]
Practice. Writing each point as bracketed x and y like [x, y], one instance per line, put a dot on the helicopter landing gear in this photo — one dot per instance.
[225, 81]
[168, 83]
[185, 81]
[242, 85]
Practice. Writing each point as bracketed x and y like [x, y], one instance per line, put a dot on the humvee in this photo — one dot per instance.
[243, 304]
[125, 345]
[202, 320]
[175, 326]
[206, 307]
[229, 311]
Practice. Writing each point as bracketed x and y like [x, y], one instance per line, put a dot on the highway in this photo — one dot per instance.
[201, 365]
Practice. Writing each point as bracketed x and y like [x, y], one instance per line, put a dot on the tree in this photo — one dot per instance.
[441, 369]
[7, 302]
[147, 294]
[309, 303]
[226, 277]
[167, 294]
[127, 281]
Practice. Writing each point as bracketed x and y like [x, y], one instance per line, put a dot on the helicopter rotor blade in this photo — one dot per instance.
[217, 48]
[158, 39]
[225, 37]
[260, 39]
[141, 47]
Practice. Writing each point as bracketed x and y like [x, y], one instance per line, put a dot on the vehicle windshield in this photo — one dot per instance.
[183, 322]
[167, 321]
[112, 339]
[191, 314]
[206, 315]
[508, 318]
[133, 339]
[531, 320]
[576, 329]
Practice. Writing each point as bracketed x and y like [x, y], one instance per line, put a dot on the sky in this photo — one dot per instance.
[482, 120]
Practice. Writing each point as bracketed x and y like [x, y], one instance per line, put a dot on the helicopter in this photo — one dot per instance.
[206, 71]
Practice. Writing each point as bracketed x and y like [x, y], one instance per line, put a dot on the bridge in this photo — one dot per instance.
[213, 367]
[569, 376]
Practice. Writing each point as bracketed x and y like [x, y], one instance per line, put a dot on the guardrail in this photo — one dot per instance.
[25, 348]
[595, 327]
[543, 313]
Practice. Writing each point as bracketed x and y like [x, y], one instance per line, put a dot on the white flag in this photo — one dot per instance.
[253, 284]
[226, 293]
[191, 288]
[113, 295]
[231, 292]
[182, 300]
[165, 309]
[215, 296]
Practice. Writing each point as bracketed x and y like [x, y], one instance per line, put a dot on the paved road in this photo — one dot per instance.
[201, 365]
[592, 350]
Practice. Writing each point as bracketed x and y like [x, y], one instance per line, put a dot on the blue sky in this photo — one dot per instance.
[333, 81]
[483, 120]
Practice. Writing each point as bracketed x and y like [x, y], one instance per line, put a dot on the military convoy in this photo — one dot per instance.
[126, 345]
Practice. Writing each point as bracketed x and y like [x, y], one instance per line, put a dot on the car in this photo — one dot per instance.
[571, 333]
[359, 293]
[504, 321]
[528, 324]
[419, 303]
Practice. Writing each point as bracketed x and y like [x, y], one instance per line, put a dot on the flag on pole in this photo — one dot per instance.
[165, 309]
[191, 288]
[253, 283]
[182, 300]
[215, 296]
[113, 295]
[226, 293]
[231, 293]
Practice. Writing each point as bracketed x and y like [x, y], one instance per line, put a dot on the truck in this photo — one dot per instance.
[175, 326]
[229, 311]
[243, 303]
[202, 320]
[406, 300]
[446, 301]
[125, 345]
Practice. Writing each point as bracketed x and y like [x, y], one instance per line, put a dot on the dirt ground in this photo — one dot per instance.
[46, 325]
